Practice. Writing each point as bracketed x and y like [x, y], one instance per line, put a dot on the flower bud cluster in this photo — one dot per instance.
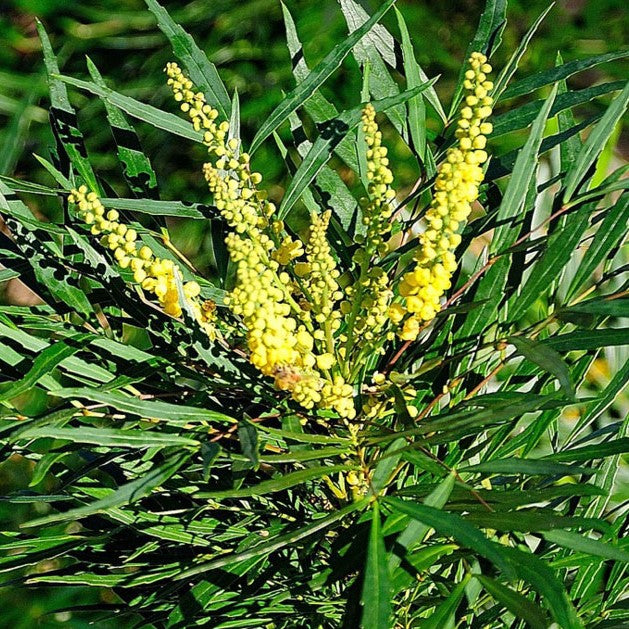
[377, 209]
[280, 336]
[456, 188]
[321, 280]
[155, 275]
[375, 298]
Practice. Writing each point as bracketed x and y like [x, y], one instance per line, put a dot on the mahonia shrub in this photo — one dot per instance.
[380, 411]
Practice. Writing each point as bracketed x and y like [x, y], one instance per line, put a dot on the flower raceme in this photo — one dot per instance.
[154, 275]
[304, 324]
[289, 320]
[297, 329]
[456, 188]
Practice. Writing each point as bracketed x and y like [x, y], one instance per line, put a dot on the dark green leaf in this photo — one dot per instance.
[546, 358]
[376, 595]
[455, 526]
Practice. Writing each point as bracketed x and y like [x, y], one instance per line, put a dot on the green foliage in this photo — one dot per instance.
[162, 470]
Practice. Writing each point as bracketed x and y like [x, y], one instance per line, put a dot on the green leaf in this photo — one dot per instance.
[176, 414]
[416, 106]
[248, 436]
[331, 133]
[536, 572]
[42, 366]
[272, 545]
[611, 230]
[517, 604]
[280, 483]
[589, 453]
[522, 116]
[546, 358]
[520, 181]
[108, 437]
[127, 494]
[587, 339]
[202, 72]
[595, 143]
[146, 113]
[315, 79]
[609, 394]
[570, 147]
[153, 207]
[376, 595]
[529, 467]
[455, 526]
[63, 116]
[558, 73]
[416, 530]
[582, 544]
[443, 615]
[512, 65]
[137, 168]
[370, 52]
[317, 106]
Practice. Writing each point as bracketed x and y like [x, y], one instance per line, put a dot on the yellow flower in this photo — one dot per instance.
[153, 274]
[456, 188]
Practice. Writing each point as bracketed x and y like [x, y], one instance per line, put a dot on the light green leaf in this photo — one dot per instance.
[595, 143]
[127, 494]
[455, 526]
[202, 72]
[523, 173]
[517, 604]
[583, 544]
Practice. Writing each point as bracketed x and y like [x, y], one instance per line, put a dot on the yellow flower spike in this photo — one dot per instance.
[377, 209]
[456, 188]
[321, 281]
[152, 274]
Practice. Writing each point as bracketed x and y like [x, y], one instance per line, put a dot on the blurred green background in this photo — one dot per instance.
[245, 39]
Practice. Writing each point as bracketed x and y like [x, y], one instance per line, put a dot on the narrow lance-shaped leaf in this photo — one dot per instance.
[512, 65]
[316, 78]
[533, 570]
[416, 530]
[376, 595]
[517, 604]
[137, 168]
[522, 116]
[549, 268]
[147, 113]
[331, 134]
[523, 172]
[609, 233]
[129, 493]
[455, 526]
[560, 72]
[369, 50]
[318, 107]
[548, 359]
[63, 117]
[443, 614]
[201, 70]
[595, 143]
